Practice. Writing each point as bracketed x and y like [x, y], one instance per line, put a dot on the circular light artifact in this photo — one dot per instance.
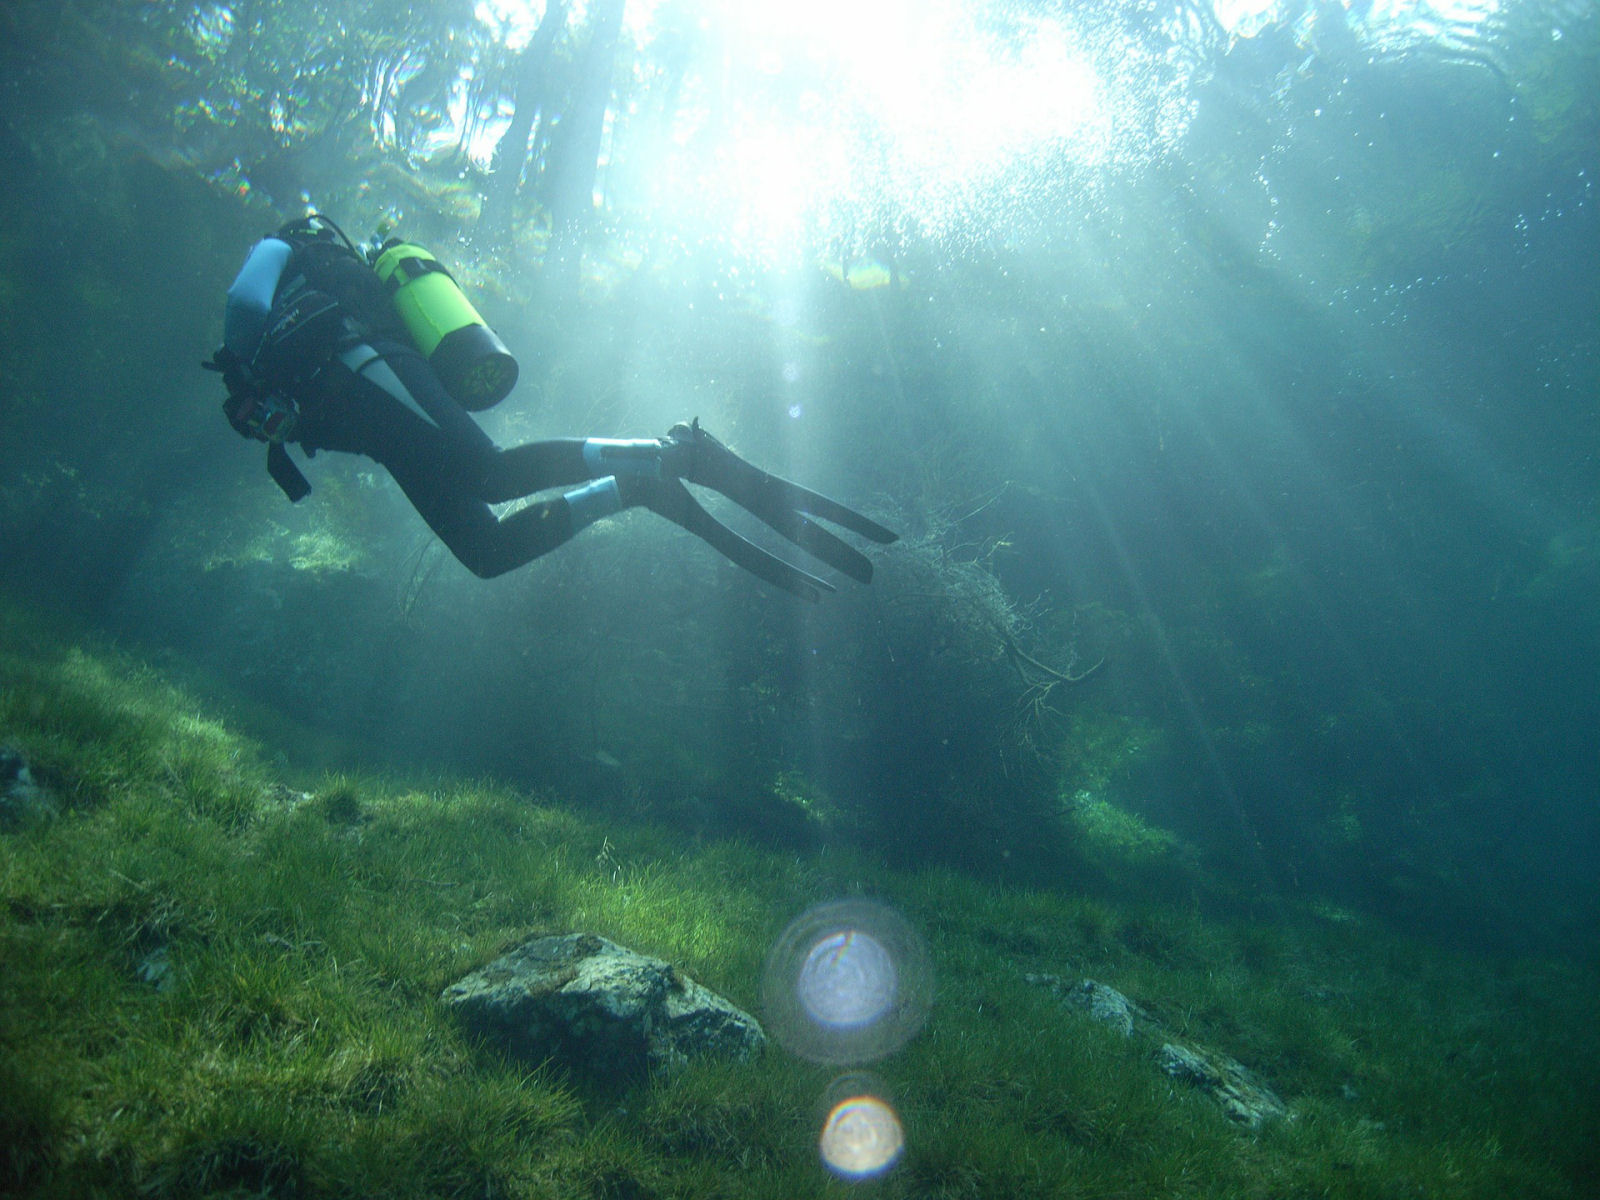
[848, 982]
[861, 1137]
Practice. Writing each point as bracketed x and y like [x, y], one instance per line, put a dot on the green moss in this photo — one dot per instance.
[321, 548]
[324, 550]
[817, 809]
[1110, 835]
[292, 1043]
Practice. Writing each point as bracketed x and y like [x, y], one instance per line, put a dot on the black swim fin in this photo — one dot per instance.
[784, 506]
[670, 499]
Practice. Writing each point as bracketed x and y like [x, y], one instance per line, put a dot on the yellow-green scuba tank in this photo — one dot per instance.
[472, 363]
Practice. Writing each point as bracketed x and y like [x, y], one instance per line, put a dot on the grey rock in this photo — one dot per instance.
[22, 801]
[1237, 1090]
[583, 1000]
[156, 970]
[1242, 1096]
[1101, 1001]
[1106, 1005]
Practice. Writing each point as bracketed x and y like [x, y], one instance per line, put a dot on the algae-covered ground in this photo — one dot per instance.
[220, 980]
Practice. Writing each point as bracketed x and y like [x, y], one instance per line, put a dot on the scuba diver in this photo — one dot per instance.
[377, 352]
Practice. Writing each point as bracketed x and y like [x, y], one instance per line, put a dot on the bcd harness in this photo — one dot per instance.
[325, 302]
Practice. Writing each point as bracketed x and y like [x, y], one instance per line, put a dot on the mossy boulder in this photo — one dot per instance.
[600, 1008]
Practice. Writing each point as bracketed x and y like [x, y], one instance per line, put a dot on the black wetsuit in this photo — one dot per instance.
[308, 322]
[448, 467]
[359, 386]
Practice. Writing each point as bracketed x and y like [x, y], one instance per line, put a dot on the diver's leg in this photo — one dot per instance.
[559, 462]
[358, 414]
[489, 472]
[532, 467]
[488, 545]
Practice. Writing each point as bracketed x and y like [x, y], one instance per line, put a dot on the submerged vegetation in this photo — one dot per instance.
[217, 983]
[1238, 651]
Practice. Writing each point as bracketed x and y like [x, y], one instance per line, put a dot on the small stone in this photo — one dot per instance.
[1106, 1005]
[22, 801]
[156, 970]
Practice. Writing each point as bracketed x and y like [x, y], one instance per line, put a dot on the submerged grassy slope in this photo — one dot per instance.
[216, 985]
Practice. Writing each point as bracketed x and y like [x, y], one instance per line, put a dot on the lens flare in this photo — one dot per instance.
[847, 982]
[861, 1138]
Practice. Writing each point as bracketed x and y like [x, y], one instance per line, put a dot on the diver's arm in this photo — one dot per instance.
[250, 297]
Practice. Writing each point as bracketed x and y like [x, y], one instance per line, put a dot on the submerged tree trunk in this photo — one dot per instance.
[573, 157]
[512, 153]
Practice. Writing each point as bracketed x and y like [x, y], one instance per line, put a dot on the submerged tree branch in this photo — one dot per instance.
[1019, 659]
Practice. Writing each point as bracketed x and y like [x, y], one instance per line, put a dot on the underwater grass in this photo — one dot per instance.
[216, 984]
